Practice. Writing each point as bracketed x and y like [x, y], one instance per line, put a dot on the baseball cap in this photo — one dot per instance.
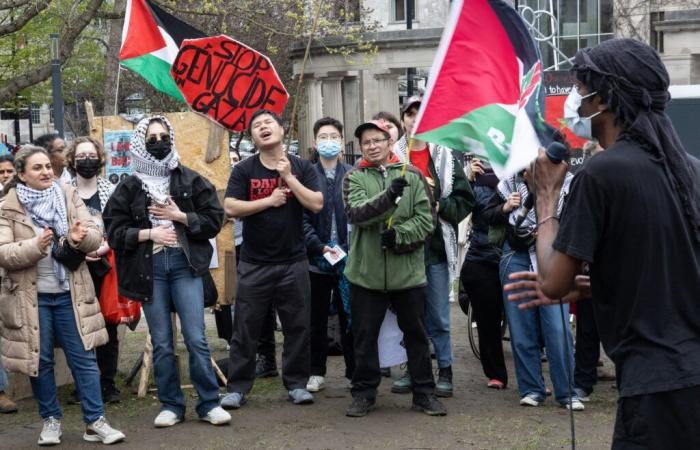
[410, 101]
[372, 124]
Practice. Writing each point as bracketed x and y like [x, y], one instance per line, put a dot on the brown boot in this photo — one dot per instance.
[6, 405]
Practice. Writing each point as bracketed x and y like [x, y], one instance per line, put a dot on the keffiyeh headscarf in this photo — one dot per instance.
[47, 208]
[153, 173]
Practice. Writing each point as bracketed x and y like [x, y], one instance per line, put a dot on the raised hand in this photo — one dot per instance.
[77, 232]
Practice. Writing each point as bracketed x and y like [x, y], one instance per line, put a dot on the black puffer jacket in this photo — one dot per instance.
[126, 213]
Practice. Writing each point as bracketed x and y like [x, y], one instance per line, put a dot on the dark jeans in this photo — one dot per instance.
[367, 309]
[587, 347]
[483, 287]
[667, 420]
[108, 358]
[324, 288]
[259, 286]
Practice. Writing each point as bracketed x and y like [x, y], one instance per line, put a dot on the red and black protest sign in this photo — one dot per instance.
[227, 80]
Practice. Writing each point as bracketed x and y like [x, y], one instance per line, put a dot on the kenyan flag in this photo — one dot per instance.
[150, 41]
[485, 93]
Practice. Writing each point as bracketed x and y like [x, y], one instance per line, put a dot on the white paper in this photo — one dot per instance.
[391, 352]
[214, 263]
[335, 256]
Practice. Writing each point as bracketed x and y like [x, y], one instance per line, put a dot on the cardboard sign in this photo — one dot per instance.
[227, 81]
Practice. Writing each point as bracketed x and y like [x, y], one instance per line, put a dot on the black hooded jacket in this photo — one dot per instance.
[127, 212]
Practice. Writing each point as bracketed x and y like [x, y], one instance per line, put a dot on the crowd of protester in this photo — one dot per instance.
[365, 240]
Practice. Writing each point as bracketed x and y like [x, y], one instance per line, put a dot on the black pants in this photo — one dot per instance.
[108, 358]
[483, 287]
[323, 289]
[259, 286]
[587, 347]
[663, 420]
[266, 343]
[367, 308]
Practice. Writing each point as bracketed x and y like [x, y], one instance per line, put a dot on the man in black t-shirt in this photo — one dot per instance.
[633, 213]
[269, 193]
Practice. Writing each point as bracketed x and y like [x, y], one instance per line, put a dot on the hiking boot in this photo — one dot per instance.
[110, 394]
[429, 404]
[51, 432]
[300, 397]
[265, 368]
[359, 407]
[233, 400]
[443, 387]
[101, 431]
[403, 385]
[7, 406]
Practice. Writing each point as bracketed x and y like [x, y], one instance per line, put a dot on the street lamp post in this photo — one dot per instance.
[56, 84]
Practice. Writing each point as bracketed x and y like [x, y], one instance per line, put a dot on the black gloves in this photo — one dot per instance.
[388, 238]
[396, 187]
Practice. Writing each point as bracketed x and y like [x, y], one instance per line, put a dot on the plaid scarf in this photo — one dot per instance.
[47, 208]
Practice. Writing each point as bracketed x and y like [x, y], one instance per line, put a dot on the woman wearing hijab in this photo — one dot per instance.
[85, 158]
[41, 222]
[159, 221]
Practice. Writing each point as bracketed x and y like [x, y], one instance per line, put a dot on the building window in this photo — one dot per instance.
[581, 23]
[349, 11]
[35, 114]
[656, 38]
[400, 10]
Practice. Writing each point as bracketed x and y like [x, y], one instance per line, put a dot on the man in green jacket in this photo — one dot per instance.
[391, 217]
[454, 201]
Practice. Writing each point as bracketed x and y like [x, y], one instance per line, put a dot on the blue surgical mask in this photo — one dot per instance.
[580, 126]
[328, 149]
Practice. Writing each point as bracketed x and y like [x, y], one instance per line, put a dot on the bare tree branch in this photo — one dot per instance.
[13, 4]
[26, 15]
[36, 75]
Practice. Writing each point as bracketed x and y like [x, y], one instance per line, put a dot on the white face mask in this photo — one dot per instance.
[581, 126]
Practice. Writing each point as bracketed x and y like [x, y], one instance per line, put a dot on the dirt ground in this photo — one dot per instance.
[478, 418]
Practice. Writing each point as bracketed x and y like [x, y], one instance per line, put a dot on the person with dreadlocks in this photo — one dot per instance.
[633, 214]
[159, 221]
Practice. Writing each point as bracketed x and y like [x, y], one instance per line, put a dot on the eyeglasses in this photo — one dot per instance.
[370, 142]
[85, 156]
[328, 137]
[152, 139]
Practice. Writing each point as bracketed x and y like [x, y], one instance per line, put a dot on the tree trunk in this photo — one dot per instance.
[109, 107]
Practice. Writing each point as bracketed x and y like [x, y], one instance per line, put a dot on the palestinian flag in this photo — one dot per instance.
[485, 92]
[151, 39]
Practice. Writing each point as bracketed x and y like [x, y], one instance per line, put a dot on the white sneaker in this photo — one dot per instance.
[217, 416]
[576, 405]
[529, 400]
[101, 431]
[315, 383]
[166, 418]
[51, 432]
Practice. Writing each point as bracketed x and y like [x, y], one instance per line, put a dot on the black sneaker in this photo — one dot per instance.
[110, 394]
[429, 404]
[443, 387]
[264, 368]
[359, 407]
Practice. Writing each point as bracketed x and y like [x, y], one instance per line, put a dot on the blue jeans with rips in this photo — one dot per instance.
[525, 328]
[176, 289]
[57, 320]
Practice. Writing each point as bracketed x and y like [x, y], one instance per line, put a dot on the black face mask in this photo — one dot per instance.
[158, 149]
[87, 168]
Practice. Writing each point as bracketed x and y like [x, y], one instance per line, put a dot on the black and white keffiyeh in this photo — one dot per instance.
[47, 208]
[153, 173]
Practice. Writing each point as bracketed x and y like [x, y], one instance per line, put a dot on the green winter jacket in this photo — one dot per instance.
[368, 207]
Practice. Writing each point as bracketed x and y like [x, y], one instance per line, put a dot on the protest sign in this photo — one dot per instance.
[117, 143]
[227, 81]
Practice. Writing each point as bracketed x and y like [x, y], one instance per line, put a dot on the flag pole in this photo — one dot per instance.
[390, 221]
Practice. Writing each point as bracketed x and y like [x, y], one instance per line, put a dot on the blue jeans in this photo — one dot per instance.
[57, 319]
[437, 312]
[3, 379]
[525, 332]
[176, 289]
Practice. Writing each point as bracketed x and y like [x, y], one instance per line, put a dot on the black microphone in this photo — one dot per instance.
[556, 152]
